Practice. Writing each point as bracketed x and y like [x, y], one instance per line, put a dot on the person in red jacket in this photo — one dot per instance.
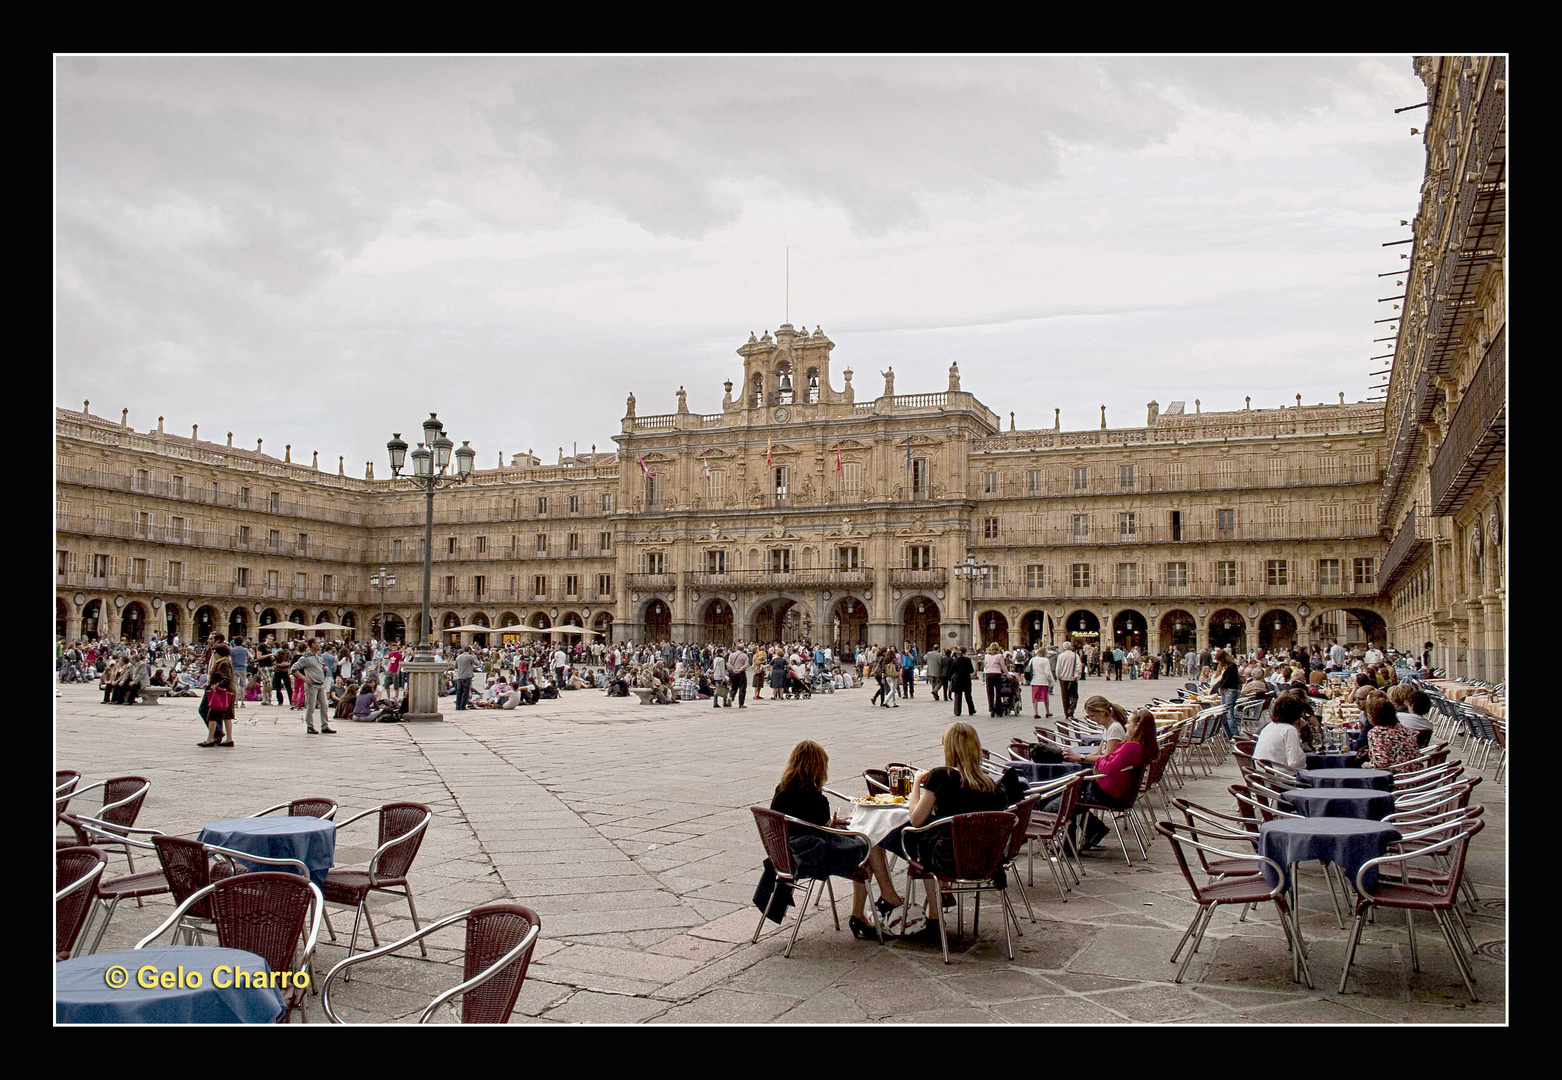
[1116, 771]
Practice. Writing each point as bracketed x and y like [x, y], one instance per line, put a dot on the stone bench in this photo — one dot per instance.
[151, 695]
[643, 693]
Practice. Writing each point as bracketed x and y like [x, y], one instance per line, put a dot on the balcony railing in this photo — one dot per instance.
[857, 577]
[1110, 483]
[930, 577]
[1414, 536]
[1477, 435]
[1192, 533]
[652, 582]
[193, 492]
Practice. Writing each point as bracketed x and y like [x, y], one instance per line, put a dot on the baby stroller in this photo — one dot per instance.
[1008, 696]
[796, 687]
[823, 683]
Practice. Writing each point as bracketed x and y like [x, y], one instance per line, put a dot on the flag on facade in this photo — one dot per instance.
[706, 464]
[768, 459]
[838, 468]
[908, 453]
[643, 467]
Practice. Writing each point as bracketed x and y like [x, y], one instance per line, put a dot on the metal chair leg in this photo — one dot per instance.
[1459, 960]
[352, 945]
[1202, 919]
[1198, 916]
[801, 911]
[1350, 951]
[829, 887]
[1410, 924]
[1339, 915]
[1003, 897]
[413, 908]
[326, 915]
[772, 900]
[108, 917]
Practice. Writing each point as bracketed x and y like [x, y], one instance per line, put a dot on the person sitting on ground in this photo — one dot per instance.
[1412, 707]
[1280, 740]
[800, 795]
[1389, 743]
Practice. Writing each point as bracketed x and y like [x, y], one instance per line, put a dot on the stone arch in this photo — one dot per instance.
[1130, 629]
[993, 626]
[479, 618]
[297, 615]
[133, 621]
[848, 623]
[1349, 625]
[394, 629]
[238, 622]
[268, 617]
[173, 617]
[603, 625]
[62, 615]
[716, 622]
[657, 618]
[1276, 638]
[541, 621]
[325, 616]
[1082, 627]
[91, 614]
[350, 621]
[921, 622]
[1179, 628]
[204, 623]
[571, 618]
[1033, 628]
[1228, 630]
[509, 618]
[774, 616]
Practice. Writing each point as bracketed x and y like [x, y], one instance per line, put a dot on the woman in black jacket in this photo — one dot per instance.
[960, 670]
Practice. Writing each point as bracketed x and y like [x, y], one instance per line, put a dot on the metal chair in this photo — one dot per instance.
[265, 914]
[1245, 890]
[500, 939]
[110, 891]
[963, 854]
[123, 797]
[65, 781]
[1121, 810]
[76, 873]
[188, 867]
[775, 833]
[317, 808]
[1051, 828]
[1436, 892]
[1023, 811]
[401, 829]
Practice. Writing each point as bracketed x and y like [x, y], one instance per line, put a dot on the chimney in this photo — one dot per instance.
[1247, 404]
[1195, 406]
[1011, 421]
[1298, 401]
[257, 445]
[368, 470]
[1057, 419]
[1155, 412]
[574, 449]
[561, 455]
[85, 409]
[340, 471]
[1342, 397]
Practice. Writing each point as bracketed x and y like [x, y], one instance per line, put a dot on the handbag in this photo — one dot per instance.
[219, 700]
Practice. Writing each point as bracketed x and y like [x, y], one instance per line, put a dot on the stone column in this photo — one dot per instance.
[1496, 665]
[1201, 633]
[423, 688]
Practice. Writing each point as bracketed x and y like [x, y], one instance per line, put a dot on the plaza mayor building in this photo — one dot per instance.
[803, 509]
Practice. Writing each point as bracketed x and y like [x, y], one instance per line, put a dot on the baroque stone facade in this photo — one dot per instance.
[1443, 501]
[796, 510]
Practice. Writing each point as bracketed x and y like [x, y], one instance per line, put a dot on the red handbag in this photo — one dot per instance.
[219, 700]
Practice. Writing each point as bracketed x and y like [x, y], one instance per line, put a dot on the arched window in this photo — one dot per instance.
[813, 385]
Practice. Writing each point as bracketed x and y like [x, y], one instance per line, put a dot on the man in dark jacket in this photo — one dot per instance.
[960, 670]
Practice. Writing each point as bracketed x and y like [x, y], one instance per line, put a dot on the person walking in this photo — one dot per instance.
[908, 674]
[737, 671]
[996, 670]
[961, 670]
[935, 674]
[312, 673]
[219, 678]
[239, 656]
[466, 666]
[718, 680]
[1039, 668]
[1067, 671]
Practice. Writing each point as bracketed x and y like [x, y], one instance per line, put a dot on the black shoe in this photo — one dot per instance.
[928, 935]
[312, 731]
[861, 929]
[886, 908]
[328, 731]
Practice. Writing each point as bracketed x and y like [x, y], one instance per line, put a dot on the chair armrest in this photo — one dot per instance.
[1404, 856]
[82, 882]
[111, 833]
[489, 972]
[233, 855]
[417, 829]
[132, 797]
[270, 810]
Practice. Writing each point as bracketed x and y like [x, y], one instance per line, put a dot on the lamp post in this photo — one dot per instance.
[429, 464]
[382, 581]
[971, 572]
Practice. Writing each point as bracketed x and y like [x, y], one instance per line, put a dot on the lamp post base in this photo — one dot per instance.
[423, 673]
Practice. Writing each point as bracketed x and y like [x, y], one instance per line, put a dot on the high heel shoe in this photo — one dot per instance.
[886, 908]
[860, 929]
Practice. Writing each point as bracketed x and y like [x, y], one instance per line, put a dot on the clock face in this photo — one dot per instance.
[783, 415]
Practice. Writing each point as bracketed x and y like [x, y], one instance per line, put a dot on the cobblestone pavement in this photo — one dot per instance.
[626, 827]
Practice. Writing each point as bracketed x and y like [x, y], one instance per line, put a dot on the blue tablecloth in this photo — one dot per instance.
[310, 840]
[1345, 842]
[1035, 772]
[1341, 760]
[1341, 802]
[1381, 779]
[82, 994]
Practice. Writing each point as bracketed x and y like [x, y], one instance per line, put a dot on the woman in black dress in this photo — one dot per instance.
[801, 795]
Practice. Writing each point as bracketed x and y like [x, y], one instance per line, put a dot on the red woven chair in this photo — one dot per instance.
[1228, 890]
[775, 832]
[65, 781]
[500, 939]
[1023, 810]
[401, 829]
[123, 797]
[265, 914]
[1051, 828]
[76, 873]
[962, 854]
[1436, 891]
[1120, 810]
[318, 808]
[189, 866]
[110, 891]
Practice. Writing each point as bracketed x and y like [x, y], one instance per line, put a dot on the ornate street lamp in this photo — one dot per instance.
[382, 581]
[430, 462]
[971, 572]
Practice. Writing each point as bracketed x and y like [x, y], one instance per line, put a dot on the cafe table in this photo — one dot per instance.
[1326, 760]
[1381, 779]
[1340, 802]
[1036, 772]
[877, 821]
[88, 990]
[310, 840]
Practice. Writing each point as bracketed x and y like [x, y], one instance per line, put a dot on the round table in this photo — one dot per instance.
[310, 840]
[82, 994]
[1036, 772]
[876, 821]
[1381, 779]
[1331, 760]
[1338, 802]
[1345, 842]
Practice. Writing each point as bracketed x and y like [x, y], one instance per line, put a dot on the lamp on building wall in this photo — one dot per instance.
[971, 572]
[1226, 624]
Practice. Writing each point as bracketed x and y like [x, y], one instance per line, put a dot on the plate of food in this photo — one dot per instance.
[882, 800]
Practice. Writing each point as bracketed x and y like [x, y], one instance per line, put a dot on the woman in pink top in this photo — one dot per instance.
[996, 668]
[1117, 773]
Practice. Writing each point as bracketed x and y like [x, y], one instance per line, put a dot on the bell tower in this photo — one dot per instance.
[791, 369]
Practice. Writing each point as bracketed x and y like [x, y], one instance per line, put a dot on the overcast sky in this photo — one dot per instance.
[320, 251]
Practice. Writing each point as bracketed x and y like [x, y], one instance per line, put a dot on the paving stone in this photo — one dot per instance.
[587, 1006]
[729, 1007]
